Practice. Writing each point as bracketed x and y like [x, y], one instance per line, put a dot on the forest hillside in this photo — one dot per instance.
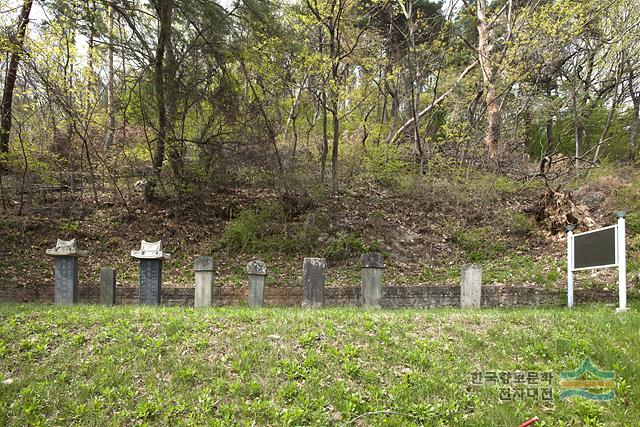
[437, 133]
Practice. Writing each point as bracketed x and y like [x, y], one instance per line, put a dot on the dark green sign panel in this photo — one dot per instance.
[595, 249]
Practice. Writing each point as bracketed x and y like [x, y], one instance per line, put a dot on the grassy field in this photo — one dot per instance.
[91, 365]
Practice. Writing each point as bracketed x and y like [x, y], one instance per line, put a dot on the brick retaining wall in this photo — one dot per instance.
[392, 296]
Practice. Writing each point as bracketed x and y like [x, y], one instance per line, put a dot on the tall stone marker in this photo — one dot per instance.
[107, 286]
[470, 286]
[204, 269]
[313, 275]
[66, 259]
[257, 271]
[372, 266]
[151, 256]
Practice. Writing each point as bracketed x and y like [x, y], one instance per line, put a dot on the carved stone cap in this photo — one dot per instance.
[372, 260]
[66, 248]
[257, 268]
[150, 250]
[204, 263]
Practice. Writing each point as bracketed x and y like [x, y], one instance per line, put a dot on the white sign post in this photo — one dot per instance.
[570, 266]
[622, 263]
[601, 248]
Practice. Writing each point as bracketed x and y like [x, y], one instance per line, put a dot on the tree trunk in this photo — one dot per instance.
[549, 129]
[407, 10]
[334, 147]
[494, 117]
[633, 136]
[579, 137]
[110, 77]
[325, 137]
[549, 124]
[10, 79]
[635, 98]
[69, 66]
[177, 149]
[323, 104]
[612, 110]
[163, 8]
[92, 79]
[334, 50]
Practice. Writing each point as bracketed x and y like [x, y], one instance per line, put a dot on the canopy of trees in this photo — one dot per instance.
[185, 94]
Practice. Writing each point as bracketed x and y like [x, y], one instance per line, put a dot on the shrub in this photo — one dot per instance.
[266, 229]
[521, 224]
[242, 231]
[480, 244]
[387, 163]
[632, 222]
[67, 227]
[344, 246]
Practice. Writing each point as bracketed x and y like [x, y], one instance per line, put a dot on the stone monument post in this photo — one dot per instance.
[107, 286]
[66, 259]
[313, 275]
[151, 257]
[470, 286]
[372, 266]
[204, 268]
[257, 271]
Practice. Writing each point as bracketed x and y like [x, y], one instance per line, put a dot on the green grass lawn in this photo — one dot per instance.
[91, 365]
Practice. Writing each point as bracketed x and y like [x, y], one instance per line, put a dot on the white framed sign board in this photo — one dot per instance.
[601, 248]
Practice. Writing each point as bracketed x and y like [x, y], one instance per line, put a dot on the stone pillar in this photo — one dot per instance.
[204, 268]
[470, 286]
[107, 286]
[372, 266]
[66, 261]
[313, 274]
[257, 271]
[151, 257]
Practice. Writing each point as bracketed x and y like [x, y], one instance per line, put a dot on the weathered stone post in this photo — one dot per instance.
[66, 255]
[151, 257]
[107, 286]
[470, 286]
[204, 268]
[372, 266]
[257, 271]
[313, 274]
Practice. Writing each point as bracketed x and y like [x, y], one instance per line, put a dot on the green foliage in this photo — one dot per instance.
[522, 268]
[500, 185]
[344, 246]
[37, 160]
[242, 231]
[480, 243]
[138, 152]
[67, 227]
[521, 224]
[268, 230]
[633, 245]
[628, 198]
[387, 163]
[632, 223]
